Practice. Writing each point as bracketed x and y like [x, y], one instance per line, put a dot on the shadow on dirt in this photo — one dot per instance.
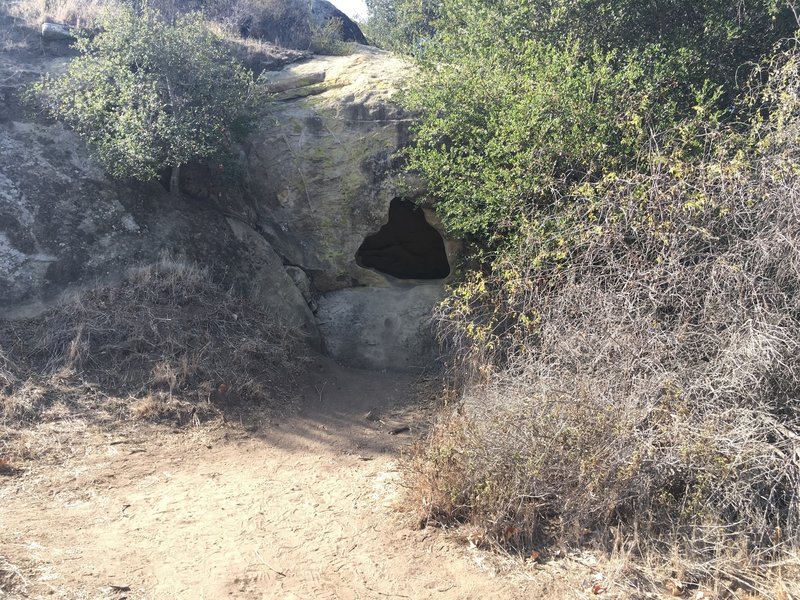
[168, 347]
[355, 411]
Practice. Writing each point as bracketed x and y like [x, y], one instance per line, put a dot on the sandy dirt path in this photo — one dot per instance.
[301, 508]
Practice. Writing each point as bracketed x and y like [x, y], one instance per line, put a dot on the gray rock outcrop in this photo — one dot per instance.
[56, 32]
[319, 175]
[64, 226]
[380, 327]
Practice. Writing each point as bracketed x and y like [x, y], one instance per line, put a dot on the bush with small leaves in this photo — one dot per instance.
[148, 95]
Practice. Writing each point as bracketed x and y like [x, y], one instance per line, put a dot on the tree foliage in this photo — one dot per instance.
[149, 95]
[521, 100]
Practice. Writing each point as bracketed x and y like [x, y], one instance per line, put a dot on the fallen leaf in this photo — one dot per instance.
[676, 588]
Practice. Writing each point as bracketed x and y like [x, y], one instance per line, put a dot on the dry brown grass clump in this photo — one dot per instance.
[286, 23]
[164, 342]
[635, 380]
[283, 22]
[11, 579]
[71, 12]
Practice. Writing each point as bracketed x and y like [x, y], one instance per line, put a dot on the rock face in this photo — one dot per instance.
[323, 11]
[380, 327]
[321, 180]
[321, 170]
[64, 226]
[319, 175]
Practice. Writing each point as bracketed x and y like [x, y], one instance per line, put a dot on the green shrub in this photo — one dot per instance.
[327, 39]
[502, 133]
[147, 95]
[519, 100]
[400, 25]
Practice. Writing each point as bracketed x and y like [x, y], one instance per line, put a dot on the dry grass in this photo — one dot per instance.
[79, 13]
[643, 396]
[282, 22]
[286, 23]
[165, 343]
[11, 578]
[327, 39]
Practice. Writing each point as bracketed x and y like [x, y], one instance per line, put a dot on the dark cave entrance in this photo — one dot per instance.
[407, 247]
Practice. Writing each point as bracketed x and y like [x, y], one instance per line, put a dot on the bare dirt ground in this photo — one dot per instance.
[303, 507]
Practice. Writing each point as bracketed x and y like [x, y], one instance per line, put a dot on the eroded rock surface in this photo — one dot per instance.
[380, 327]
[318, 175]
[65, 226]
[322, 169]
[322, 174]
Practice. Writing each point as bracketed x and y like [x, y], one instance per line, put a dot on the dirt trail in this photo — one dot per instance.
[296, 509]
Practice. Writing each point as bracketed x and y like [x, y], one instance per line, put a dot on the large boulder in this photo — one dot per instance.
[380, 327]
[56, 32]
[323, 12]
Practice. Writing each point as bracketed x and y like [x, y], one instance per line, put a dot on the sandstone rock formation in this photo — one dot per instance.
[322, 169]
[318, 177]
[322, 173]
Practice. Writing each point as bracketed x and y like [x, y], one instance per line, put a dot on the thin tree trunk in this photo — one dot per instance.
[175, 180]
[175, 176]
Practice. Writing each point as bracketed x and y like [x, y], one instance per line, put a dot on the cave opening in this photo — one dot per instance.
[407, 247]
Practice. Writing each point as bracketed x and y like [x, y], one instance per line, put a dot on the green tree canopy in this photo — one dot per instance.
[521, 100]
[148, 95]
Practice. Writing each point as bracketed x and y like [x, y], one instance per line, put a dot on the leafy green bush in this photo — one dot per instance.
[521, 100]
[714, 36]
[400, 25]
[148, 95]
[501, 133]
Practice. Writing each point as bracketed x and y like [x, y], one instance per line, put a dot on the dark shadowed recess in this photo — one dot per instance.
[407, 247]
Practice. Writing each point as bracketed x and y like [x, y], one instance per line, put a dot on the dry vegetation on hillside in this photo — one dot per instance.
[642, 394]
[165, 344]
[245, 23]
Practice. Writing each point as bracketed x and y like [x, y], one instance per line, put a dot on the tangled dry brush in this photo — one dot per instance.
[165, 342]
[641, 390]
